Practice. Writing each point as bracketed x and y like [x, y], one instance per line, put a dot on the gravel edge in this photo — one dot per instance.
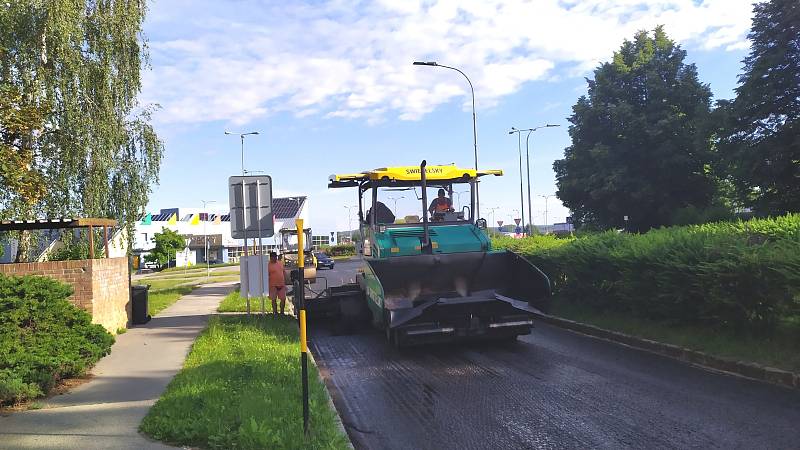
[331, 405]
[339, 423]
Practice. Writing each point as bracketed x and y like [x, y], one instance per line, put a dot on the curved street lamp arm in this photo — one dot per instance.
[474, 124]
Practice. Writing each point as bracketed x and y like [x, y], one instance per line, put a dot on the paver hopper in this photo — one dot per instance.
[442, 297]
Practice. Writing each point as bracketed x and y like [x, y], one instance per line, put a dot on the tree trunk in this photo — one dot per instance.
[23, 246]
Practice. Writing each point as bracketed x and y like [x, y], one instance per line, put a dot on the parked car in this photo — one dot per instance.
[324, 260]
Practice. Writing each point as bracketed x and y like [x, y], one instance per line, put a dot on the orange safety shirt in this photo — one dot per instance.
[442, 204]
[276, 275]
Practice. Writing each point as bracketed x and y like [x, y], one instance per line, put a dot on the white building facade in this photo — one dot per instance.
[198, 225]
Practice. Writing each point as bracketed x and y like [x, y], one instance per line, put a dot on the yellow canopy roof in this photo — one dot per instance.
[412, 173]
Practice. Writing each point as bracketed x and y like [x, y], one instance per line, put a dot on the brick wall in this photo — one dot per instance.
[110, 292]
[100, 285]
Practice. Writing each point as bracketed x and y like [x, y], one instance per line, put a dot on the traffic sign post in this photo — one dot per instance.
[250, 199]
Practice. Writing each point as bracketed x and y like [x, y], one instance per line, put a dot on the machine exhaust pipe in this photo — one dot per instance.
[426, 245]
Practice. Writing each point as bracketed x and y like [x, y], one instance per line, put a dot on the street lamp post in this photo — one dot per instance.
[458, 197]
[519, 150]
[474, 125]
[493, 210]
[205, 235]
[241, 136]
[545, 197]
[185, 257]
[395, 199]
[350, 222]
[244, 172]
[528, 164]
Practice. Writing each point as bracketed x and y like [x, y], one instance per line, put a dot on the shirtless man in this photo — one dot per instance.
[277, 283]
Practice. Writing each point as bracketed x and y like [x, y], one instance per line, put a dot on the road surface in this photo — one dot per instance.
[344, 271]
[551, 389]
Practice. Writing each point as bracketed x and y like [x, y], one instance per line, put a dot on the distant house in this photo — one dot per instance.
[216, 226]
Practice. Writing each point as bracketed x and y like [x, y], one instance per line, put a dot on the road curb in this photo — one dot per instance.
[743, 368]
[331, 405]
[339, 423]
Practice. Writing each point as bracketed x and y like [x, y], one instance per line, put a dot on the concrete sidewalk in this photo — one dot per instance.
[105, 412]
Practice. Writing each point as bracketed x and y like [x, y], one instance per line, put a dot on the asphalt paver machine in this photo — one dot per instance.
[431, 275]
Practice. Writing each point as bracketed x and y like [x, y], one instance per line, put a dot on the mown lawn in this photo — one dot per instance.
[161, 297]
[166, 291]
[781, 349]
[199, 266]
[234, 302]
[240, 388]
[191, 274]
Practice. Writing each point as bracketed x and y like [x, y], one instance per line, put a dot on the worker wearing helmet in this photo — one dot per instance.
[440, 204]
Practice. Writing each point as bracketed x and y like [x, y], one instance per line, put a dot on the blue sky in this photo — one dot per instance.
[330, 87]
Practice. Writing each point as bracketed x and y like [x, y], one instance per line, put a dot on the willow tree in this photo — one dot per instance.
[74, 67]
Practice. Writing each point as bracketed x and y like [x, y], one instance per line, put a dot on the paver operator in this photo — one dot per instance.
[277, 283]
[441, 204]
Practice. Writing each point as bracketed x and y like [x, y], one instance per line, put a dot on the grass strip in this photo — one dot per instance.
[240, 388]
[160, 299]
[190, 274]
[199, 266]
[164, 292]
[779, 350]
[235, 302]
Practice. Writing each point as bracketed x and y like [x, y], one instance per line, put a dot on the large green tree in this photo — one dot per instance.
[71, 71]
[761, 143]
[640, 139]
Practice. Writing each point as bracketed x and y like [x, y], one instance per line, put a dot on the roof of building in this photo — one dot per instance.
[288, 207]
[58, 223]
[282, 208]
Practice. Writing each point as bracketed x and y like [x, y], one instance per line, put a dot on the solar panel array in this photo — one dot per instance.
[286, 208]
[282, 208]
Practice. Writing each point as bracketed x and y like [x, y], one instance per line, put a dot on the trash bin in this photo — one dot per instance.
[139, 304]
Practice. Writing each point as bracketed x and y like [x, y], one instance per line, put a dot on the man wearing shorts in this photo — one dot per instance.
[277, 282]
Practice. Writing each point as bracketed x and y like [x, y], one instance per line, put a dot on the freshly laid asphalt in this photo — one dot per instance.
[551, 389]
[105, 413]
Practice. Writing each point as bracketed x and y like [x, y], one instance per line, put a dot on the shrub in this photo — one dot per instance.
[691, 215]
[43, 337]
[741, 275]
[74, 246]
[339, 250]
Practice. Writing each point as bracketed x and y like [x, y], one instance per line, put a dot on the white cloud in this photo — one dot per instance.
[245, 60]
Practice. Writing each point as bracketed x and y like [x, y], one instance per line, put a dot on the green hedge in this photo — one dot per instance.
[736, 275]
[43, 337]
[339, 250]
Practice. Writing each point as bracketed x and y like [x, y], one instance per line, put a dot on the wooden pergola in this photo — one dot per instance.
[63, 223]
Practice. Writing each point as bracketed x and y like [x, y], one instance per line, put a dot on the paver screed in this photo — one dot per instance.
[106, 412]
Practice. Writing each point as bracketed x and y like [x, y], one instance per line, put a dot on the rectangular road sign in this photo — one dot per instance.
[250, 199]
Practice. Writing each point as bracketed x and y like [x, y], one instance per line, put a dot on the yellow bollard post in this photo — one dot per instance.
[302, 316]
